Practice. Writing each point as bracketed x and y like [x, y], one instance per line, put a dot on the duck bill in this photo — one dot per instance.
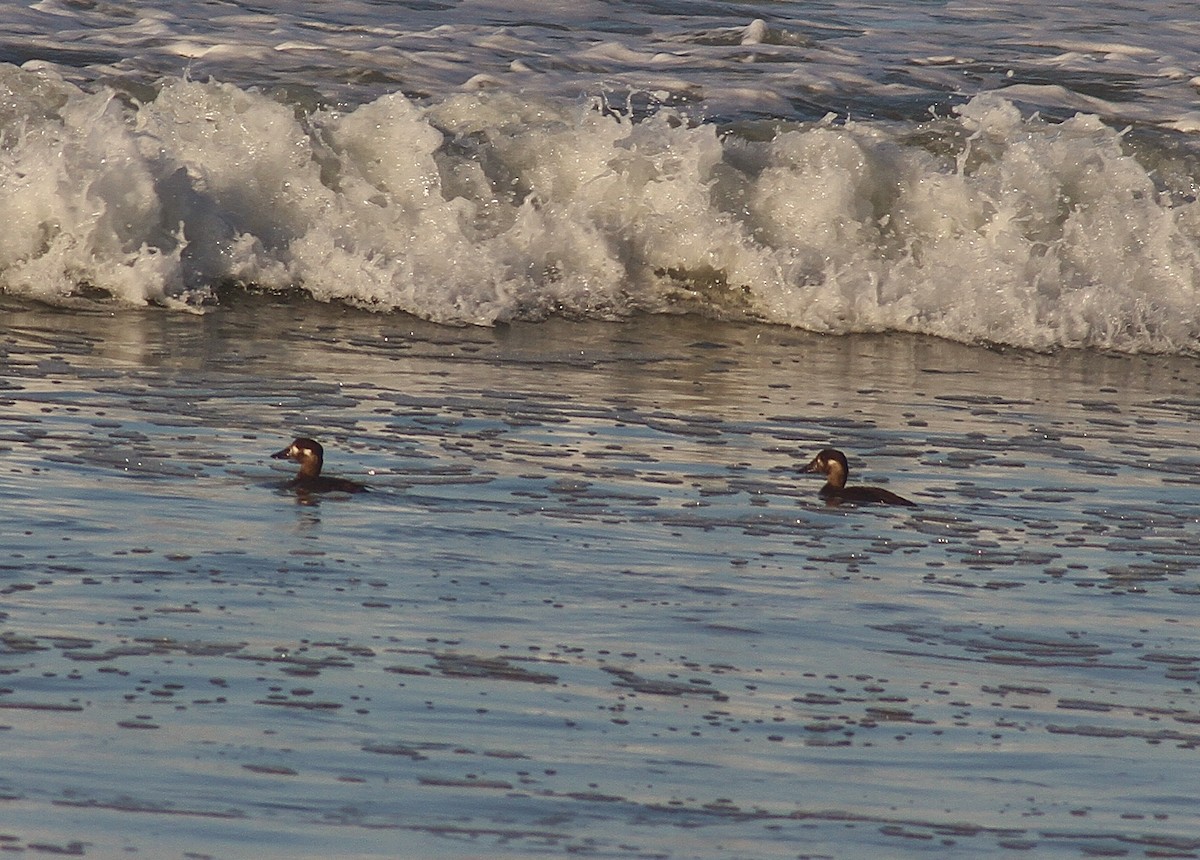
[282, 455]
[814, 466]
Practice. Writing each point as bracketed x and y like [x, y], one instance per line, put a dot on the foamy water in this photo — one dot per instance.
[969, 218]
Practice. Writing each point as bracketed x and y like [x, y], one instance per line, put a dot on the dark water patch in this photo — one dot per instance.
[142, 723]
[270, 769]
[1182, 740]
[131, 804]
[394, 749]
[471, 783]
[7, 705]
[661, 687]
[495, 668]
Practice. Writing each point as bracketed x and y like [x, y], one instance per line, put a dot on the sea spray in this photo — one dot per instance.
[986, 225]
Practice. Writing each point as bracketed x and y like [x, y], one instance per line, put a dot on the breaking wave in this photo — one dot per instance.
[988, 225]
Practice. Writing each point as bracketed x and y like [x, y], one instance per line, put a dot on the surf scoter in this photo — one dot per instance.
[310, 455]
[832, 464]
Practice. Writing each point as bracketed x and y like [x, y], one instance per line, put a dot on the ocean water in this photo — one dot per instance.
[939, 172]
[577, 292]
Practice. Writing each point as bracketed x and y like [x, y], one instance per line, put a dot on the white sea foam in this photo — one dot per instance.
[487, 206]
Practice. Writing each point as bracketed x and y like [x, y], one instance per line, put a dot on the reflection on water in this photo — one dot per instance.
[590, 604]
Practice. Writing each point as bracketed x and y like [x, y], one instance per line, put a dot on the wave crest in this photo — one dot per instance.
[489, 206]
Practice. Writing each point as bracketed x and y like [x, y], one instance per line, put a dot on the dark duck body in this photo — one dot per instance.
[311, 456]
[832, 464]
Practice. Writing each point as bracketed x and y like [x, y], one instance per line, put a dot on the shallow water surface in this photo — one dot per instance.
[589, 604]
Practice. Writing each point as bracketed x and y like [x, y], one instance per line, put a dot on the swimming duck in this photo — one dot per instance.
[311, 456]
[832, 464]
